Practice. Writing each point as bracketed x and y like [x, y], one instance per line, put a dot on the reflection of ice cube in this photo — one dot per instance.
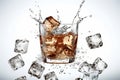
[36, 69]
[99, 65]
[94, 41]
[50, 76]
[16, 62]
[61, 30]
[21, 78]
[89, 73]
[21, 46]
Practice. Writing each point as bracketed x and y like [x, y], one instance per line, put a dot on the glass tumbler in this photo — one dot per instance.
[58, 41]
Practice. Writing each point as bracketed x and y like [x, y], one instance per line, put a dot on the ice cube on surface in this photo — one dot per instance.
[16, 62]
[90, 77]
[50, 76]
[84, 67]
[36, 69]
[21, 46]
[50, 24]
[89, 73]
[94, 41]
[99, 65]
[21, 78]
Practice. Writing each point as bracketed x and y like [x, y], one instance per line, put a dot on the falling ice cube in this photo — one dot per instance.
[16, 62]
[99, 65]
[21, 78]
[50, 76]
[36, 69]
[50, 24]
[21, 46]
[94, 41]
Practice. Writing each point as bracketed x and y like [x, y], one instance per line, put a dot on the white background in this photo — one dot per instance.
[15, 23]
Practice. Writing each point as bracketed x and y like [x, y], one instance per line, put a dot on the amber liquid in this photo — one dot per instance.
[59, 46]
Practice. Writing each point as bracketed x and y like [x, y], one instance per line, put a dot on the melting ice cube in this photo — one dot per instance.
[94, 41]
[21, 46]
[50, 24]
[50, 76]
[21, 78]
[16, 62]
[99, 65]
[36, 69]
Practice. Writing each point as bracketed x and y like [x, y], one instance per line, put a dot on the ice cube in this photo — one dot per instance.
[99, 65]
[91, 76]
[68, 52]
[16, 62]
[21, 46]
[50, 24]
[21, 78]
[50, 51]
[78, 79]
[84, 67]
[68, 39]
[36, 69]
[50, 76]
[51, 48]
[61, 30]
[89, 73]
[51, 40]
[94, 41]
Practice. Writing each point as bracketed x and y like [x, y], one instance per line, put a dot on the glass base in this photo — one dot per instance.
[63, 61]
